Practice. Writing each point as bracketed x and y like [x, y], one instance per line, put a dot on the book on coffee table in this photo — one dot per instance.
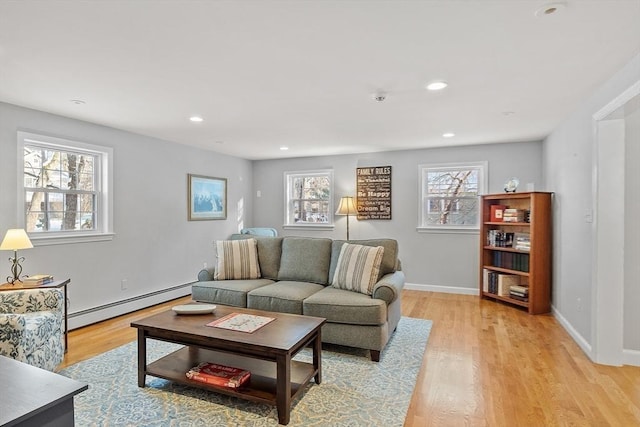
[220, 375]
[241, 322]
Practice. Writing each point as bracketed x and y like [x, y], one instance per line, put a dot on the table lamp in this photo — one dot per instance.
[16, 238]
[347, 207]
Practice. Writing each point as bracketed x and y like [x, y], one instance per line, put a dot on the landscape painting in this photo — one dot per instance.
[207, 198]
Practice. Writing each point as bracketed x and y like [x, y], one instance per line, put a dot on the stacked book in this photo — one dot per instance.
[498, 238]
[519, 292]
[522, 242]
[37, 279]
[219, 375]
[513, 215]
[499, 283]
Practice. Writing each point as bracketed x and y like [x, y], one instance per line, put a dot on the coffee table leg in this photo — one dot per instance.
[317, 357]
[142, 358]
[283, 388]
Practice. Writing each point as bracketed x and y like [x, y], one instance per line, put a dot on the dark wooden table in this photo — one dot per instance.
[35, 397]
[267, 353]
[55, 284]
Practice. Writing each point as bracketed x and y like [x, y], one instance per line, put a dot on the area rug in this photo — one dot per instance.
[354, 391]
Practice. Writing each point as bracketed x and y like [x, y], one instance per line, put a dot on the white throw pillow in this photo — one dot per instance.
[237, 259]
[357, 268]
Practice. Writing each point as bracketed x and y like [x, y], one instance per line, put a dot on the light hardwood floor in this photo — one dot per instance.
[486, 364]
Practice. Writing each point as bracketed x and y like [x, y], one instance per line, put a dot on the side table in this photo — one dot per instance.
[55, 284]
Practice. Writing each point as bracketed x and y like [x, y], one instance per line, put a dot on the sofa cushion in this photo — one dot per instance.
[389, 258]
[283, 297]
[357, 268]
[305, 259]
[237, 259]
[269, 252]
[340, 306]
[226, 292]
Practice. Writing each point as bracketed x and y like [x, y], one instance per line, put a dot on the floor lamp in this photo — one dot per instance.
[347, 207]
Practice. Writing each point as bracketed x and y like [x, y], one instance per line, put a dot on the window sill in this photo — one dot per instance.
[62, 239]
[318, 227]
[447, 230]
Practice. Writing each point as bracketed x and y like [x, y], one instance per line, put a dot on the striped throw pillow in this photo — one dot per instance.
[237, 259]
[357, 268]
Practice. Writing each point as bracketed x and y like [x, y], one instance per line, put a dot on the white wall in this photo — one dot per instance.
[155, 247]
[448, 261]
[569, 167]
[632, 230]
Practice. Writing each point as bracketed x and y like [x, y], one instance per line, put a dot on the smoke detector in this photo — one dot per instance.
[379, 96]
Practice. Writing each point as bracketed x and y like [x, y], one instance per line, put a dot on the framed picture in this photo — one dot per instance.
[207, 198]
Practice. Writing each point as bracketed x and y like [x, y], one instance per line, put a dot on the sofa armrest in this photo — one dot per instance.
[389, 287]
[205, 275]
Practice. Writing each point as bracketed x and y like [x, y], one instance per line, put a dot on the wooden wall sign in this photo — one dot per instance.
[374, 192]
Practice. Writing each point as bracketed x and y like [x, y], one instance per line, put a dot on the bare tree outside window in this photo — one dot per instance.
[308, 197]
[60, 192]
[450, 195]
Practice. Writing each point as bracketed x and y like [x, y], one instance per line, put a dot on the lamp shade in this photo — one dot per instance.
[16, 238]
[347, 206]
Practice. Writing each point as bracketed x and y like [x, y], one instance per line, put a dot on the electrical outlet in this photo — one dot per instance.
[579, 306]
[123, 284]
[204, 265]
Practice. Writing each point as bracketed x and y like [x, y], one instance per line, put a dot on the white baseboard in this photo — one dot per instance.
[118, 308]
[443, 289]
[631, 357]
[577, 337]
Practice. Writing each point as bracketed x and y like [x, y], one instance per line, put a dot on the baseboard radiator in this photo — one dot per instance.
[107, 311]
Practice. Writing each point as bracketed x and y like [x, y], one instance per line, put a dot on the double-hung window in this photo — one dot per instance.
[65, 188]
[449, 195]
[308, 198]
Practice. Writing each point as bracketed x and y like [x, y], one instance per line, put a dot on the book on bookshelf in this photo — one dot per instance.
[219, 375]
[37, 279]
[513, 215]
[496, 212]
[505, 282]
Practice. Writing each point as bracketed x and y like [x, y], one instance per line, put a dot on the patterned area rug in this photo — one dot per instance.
[354, 391]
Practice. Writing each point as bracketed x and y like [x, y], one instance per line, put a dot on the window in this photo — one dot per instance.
[308, 197]
[64, 187]
[450, 195]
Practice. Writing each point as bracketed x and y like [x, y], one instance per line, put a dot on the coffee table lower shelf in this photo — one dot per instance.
[260, 388]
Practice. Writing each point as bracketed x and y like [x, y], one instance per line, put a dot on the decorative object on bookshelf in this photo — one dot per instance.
[515, 253]
[219, 375]
[496, 212]
[511, 185]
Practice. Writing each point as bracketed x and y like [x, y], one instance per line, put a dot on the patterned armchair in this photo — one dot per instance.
[31, 326]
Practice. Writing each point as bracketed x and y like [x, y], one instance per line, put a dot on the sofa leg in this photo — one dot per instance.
[375, 355]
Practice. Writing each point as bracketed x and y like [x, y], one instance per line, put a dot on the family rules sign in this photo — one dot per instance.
[373, 192]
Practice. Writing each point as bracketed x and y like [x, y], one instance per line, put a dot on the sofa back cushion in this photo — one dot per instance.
[357, 268]
[237, 259]
[389, 258]
[305, 259]
[269, 253]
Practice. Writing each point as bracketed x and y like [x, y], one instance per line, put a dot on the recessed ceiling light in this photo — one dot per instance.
[508, 113]
[77, 101]
[284, 148]
[196, 119]
[549, 9]
[448, 135]
[439, 85]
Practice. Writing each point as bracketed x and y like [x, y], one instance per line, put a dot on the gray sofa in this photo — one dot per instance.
[296, 275]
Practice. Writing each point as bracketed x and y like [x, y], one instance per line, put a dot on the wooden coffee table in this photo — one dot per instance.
[267, 353]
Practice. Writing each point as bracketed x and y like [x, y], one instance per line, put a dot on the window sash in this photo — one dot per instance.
[300, 211]
[447, 203]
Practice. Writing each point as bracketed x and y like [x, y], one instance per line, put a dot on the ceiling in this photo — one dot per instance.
[303, 74]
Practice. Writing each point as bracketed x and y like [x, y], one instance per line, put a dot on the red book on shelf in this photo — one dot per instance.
[497, 212]
[220, 375]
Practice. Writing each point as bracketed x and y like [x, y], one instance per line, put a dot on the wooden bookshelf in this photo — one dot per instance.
[532, 266]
